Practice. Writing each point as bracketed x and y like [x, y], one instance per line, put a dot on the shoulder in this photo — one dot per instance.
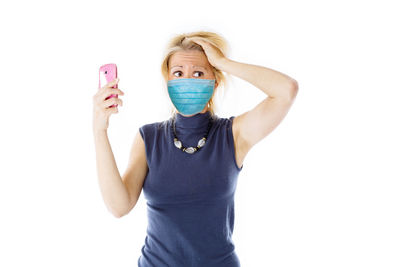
[226, 122]
[228, 130]
[229, 126]
[224, 126]
[153, 127]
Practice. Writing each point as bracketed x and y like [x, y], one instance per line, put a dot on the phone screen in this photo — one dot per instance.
[103, 79]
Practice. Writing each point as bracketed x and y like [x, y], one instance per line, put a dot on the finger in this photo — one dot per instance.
[110, 91]
[111, 84]
[116, 91]
[117, 101]
[192, 39]
[103, 95]
[112, 110]
[202, 43]
[112, 101]
[196, 39]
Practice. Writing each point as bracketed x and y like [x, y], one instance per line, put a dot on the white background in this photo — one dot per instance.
[321, 190]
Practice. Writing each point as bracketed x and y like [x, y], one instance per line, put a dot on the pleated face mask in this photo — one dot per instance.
[190, 95]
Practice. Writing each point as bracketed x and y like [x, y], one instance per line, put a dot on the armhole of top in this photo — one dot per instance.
[232, 142]
[142, 133]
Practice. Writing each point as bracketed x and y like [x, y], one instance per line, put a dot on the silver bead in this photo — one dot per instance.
[178, 144]
[201, 143]
[190, 150]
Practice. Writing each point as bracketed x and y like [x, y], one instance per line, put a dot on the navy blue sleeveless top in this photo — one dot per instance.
[190, 197]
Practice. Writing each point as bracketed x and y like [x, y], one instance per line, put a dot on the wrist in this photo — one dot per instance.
[221, 63]
[99, 131]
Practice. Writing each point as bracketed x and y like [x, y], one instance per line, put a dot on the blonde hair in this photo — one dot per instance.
[180, 43]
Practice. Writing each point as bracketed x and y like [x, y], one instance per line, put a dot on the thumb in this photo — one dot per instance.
[112, 83]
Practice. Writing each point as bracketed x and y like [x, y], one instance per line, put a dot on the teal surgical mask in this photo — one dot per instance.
[190, 95]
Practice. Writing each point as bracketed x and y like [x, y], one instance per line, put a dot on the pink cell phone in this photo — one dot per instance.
[107, 73]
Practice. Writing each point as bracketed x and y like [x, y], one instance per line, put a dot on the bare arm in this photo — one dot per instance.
[114, 192]
[136, 171]
[281, 90]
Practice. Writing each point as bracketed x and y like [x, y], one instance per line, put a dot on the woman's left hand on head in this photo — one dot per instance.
[214, 55]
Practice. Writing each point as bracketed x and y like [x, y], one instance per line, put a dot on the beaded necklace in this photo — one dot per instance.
[190, 149]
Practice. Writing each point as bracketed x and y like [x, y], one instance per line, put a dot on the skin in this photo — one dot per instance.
[194, 65]
[248, 128]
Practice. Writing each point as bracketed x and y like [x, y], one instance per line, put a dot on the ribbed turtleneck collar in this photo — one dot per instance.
[198, 120]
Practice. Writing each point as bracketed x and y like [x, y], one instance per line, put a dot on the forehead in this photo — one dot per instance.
[193, 57]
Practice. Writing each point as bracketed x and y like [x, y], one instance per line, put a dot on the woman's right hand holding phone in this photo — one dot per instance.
[102, 107]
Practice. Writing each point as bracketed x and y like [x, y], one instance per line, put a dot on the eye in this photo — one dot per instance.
[176, 72]
[199, 72]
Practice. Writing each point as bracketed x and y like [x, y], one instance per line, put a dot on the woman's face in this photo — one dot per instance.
[190, 64]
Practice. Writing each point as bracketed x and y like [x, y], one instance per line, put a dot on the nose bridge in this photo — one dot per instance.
[187, 71]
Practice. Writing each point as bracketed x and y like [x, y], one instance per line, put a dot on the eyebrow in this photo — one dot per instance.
[182, 66]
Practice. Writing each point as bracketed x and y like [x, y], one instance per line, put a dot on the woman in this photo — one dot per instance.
[188, 165]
